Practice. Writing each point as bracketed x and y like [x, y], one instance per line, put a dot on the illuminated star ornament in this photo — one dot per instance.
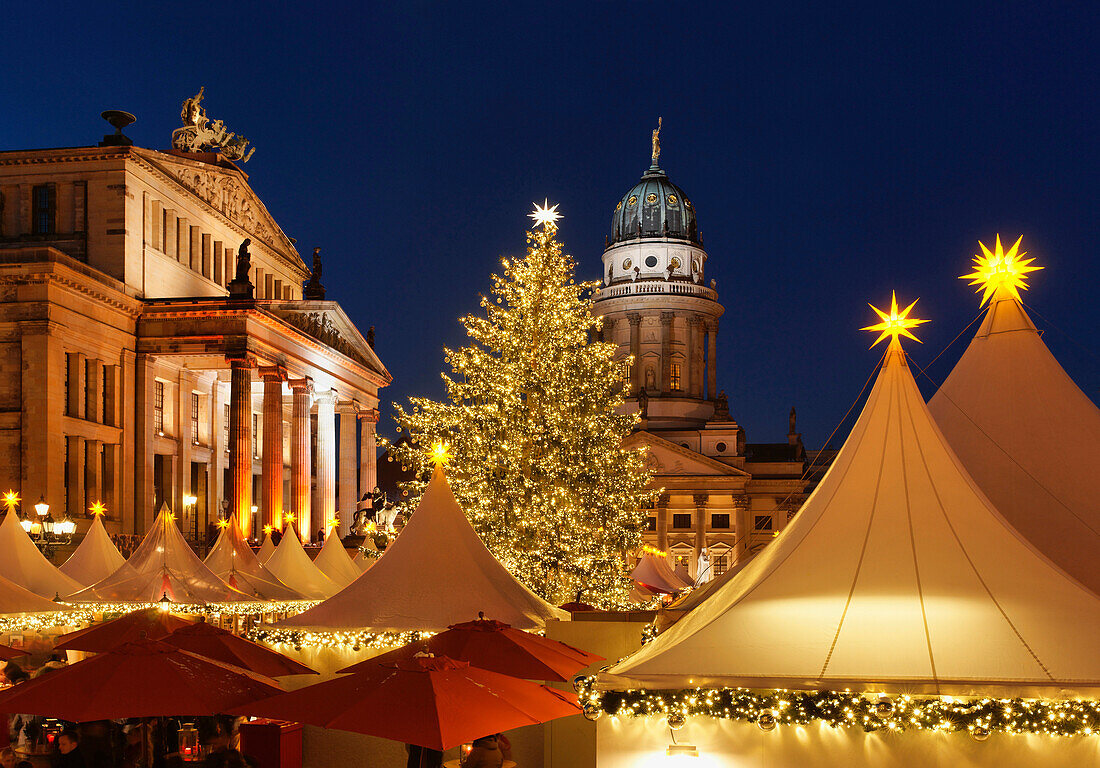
[546, 214]
[11, 499]
[997, 268]
[223, 523]
[97, 508]
[894, 323]
[441, 454]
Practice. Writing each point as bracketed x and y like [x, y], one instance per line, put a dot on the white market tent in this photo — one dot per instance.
[655, 573]
[1028, 436]
[96, 558]
[234, 562]
[436, 573]
[163, 564]
[361, 560]
[267, 549]
[292, 566]
[335, 562]
[17, 599]
[897, 574]
[23, 563]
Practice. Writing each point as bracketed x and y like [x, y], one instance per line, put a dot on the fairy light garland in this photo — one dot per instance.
[847, 709]
[355, 640]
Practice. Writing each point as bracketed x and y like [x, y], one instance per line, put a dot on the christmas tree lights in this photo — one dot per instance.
[533, 432]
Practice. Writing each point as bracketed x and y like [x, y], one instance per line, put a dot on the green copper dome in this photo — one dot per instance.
[654, 208]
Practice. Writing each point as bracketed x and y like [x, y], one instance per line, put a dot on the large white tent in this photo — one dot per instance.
[1028, 436]
[96, 558]
[335, 562]
[163, 564]
[292, 566]
[436, 573]
[17, 599]
[654, 572]
[267, 549]
[234, 562]
[23, 563]
[897, 575]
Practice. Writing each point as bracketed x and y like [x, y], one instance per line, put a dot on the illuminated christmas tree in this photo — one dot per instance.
[533, 434]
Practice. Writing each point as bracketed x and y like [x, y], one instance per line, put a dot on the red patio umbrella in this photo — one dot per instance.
[432, 702]
[221, 645]
[498, 647]
[146, 624]
[144, 679]
[7, 653]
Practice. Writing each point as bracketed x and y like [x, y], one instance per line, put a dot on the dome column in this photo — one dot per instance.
[636, 352]
[694, 349]
[666, 352]
[712, 359]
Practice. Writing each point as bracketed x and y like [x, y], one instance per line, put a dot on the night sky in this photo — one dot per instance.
[832, 155]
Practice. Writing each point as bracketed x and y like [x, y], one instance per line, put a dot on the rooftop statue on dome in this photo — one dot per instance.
[197, 136]
[657, 142]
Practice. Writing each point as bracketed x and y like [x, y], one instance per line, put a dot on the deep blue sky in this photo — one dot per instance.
[832, 154]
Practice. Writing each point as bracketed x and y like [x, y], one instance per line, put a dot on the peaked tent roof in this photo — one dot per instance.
[898, 573]
[654, 572]
[233, 561]
[17, 599]
[267, 549]
[23, 563]
[292, 566]
[436, 573]
[1028, 436]
[163, 564]
[335, 562]
[363, 563]
[96, 558]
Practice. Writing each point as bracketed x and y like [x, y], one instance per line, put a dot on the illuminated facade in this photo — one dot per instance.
[130, 376]
[720, 492]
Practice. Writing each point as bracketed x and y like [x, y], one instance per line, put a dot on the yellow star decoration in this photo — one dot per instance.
[98, 508]
[11, 499]
[223, 523]
[997, 268]
[894, 323]
[268, 529]
[546, 214]
[441, 454]
[289, 517]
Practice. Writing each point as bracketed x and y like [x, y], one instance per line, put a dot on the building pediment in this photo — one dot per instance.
[669, 458]
[326, 322]
[225, 189]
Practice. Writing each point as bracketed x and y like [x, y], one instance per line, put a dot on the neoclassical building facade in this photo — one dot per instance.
[721, 494]
[130, 375]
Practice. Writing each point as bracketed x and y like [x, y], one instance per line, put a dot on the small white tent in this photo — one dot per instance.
[292, 566]
[436, 573]
[234, 562]
[654, 572]
[897, 573]
[16, 599]
[96, 558]
[362, 560]
[267, 549]
[22, 563]
[335, 562]
[163, 564]
[1028, 436]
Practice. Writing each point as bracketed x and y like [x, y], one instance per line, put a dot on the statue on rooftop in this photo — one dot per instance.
[240, 287]
[313, 290]
[657, 141]
[197, 136]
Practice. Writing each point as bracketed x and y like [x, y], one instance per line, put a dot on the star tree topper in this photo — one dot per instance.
[894, 323]
[546, 214]
[997, 268]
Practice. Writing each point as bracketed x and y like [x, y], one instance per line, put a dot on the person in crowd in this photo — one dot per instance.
[485, 753]
[68, 751]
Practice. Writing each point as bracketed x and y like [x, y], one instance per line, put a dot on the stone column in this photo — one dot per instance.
[635, 321]
[368, 452]
[299, 453]
[272, 472]
[712, 360]
[184, 442]
[692, 372]
[666, 352]
[74, 504]
[701, 523]
[743, 526]
[326, 458]
[240, 442]
[662, 522]
[42, 386]
[93, 473]
[144, 385]
[348, 467]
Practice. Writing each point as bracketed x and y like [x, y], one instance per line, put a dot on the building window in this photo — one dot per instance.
[719, 565]
[720, 447]
[43, 209]
[255, 436]
[68, 397]
[89, 389]
[720, 520]
[624, 371]
[651, 523]
[105, 394]
[681, 520]
[762, 523]
[675, 376]
[195, 418]
[158, 407]
[225, 429]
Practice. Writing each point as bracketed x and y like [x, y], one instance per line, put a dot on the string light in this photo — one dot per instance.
[355, 640]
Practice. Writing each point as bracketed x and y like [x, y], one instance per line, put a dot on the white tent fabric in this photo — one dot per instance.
[22, 563]
[17, 599]
[267, 549]
[96, 558]
[363, 563]
[234, 562]
[292, 566]
[1028, 436]
[655, 573]
[335, 562]
[897, 572]
[163, 564]
[436, 573]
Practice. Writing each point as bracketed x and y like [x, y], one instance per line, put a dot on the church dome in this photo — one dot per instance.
[654, 208]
